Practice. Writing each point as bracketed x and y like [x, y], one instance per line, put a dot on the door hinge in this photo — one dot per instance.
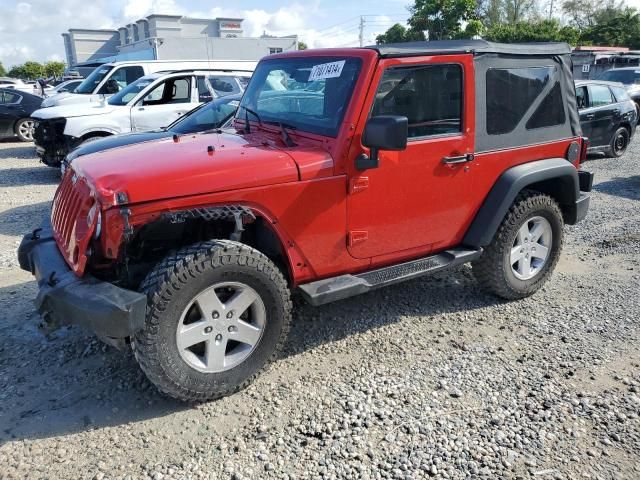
[357, 236]
[358, 184]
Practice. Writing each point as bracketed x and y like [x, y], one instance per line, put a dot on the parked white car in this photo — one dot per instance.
[20, 85]
[67, 86]
[111, 78]
[151, 102]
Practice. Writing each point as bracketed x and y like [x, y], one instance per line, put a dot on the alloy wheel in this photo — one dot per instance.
[531, 248]
[25, 129]
[221, 327]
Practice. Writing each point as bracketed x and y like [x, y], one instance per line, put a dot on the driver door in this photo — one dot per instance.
[164, 104]
[419, 199]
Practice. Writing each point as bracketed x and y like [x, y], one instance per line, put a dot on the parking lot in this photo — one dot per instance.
[432, 378]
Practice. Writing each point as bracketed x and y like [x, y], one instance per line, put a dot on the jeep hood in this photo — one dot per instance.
[166, 168]
[73, 110]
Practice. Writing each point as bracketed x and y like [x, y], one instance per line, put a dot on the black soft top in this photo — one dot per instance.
[435, 47]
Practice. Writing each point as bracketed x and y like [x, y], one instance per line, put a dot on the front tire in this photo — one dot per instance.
[524, 250]
[217, 313]
[24, 129]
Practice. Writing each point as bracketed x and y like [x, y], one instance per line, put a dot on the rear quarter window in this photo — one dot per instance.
[510, 94]
[620, 94]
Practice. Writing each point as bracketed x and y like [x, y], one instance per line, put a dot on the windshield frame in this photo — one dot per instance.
[353, 64]
[91, 78]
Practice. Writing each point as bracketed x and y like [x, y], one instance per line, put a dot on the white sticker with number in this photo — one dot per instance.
[326, 70]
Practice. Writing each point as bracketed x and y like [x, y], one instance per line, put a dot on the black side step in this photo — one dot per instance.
[345, 286]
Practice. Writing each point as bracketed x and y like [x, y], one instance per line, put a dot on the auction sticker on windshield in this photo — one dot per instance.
[326, 70]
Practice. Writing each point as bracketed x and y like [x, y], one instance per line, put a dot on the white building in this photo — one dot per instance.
[170, 37]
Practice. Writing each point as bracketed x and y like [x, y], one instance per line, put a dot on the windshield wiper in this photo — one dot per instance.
[286, 138]
[285, 135]
[247, 127]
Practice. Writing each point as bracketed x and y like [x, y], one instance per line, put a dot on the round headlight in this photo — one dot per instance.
[91, 216]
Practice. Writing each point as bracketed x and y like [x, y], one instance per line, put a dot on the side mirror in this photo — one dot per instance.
[382, 132]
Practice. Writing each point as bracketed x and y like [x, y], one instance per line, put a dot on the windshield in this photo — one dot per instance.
[628, 77]
[92, 81]
[208, 116]
[128, 93]
[306, 93]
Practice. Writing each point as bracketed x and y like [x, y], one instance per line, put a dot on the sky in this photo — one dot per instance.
[31, 29]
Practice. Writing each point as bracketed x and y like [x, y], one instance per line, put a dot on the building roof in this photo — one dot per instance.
[469, 46]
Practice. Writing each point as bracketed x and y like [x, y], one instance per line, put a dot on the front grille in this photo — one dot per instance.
[69, 213]
[49, 132]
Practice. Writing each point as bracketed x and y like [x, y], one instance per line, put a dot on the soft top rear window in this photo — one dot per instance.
[510, 93]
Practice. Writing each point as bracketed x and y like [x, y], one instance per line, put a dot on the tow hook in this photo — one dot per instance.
[35, 235]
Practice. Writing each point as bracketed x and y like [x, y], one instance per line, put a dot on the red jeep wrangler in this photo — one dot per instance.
[349, 170]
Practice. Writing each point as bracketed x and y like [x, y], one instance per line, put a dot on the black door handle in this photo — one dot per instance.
[469, 157]
[590, 116]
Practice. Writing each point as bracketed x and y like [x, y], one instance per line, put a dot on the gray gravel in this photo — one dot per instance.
[430, 379]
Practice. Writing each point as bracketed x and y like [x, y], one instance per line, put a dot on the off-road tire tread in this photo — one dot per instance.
[166, 279]
[488, 268]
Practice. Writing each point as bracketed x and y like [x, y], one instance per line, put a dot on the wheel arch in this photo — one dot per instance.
[555, 177]
[96, 133]
[250, 225]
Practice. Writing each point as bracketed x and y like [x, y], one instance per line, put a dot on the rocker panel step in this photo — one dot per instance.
[345, 286]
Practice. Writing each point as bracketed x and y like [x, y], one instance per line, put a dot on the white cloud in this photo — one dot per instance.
[136, 9]
[30, 30]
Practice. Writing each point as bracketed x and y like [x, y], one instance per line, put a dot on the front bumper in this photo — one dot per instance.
[113, 313]
[50, 141]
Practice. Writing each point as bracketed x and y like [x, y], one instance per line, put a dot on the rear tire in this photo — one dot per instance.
[619, 143]
[24, 129]
[512, 266]
[195, 346]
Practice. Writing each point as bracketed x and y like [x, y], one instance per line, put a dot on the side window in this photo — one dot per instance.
[224, 85]
[620, 94]
[7, 98]
[550, 112]
[599, 95]
[174, 90]
[430, 96]
[204, 95]
[581, 98]
[121, 78]
[181, 90]
[510, 93]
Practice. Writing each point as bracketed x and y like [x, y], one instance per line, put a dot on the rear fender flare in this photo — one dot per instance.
[555, 176]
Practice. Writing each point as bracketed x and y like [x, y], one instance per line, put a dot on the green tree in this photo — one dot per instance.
[302, 45]
[3, 72]
[490, 12]
[398, 33]
[581, 13]
[533, 31]
[54, 69]
[518, 10]
[27, 71]
[443, 19]
[615, 27]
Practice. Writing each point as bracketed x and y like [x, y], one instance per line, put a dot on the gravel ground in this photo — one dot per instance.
[429, 379]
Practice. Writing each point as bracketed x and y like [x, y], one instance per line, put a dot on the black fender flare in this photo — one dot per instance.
[565, 188]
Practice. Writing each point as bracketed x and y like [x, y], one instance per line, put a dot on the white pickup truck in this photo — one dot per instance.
[151, 102]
